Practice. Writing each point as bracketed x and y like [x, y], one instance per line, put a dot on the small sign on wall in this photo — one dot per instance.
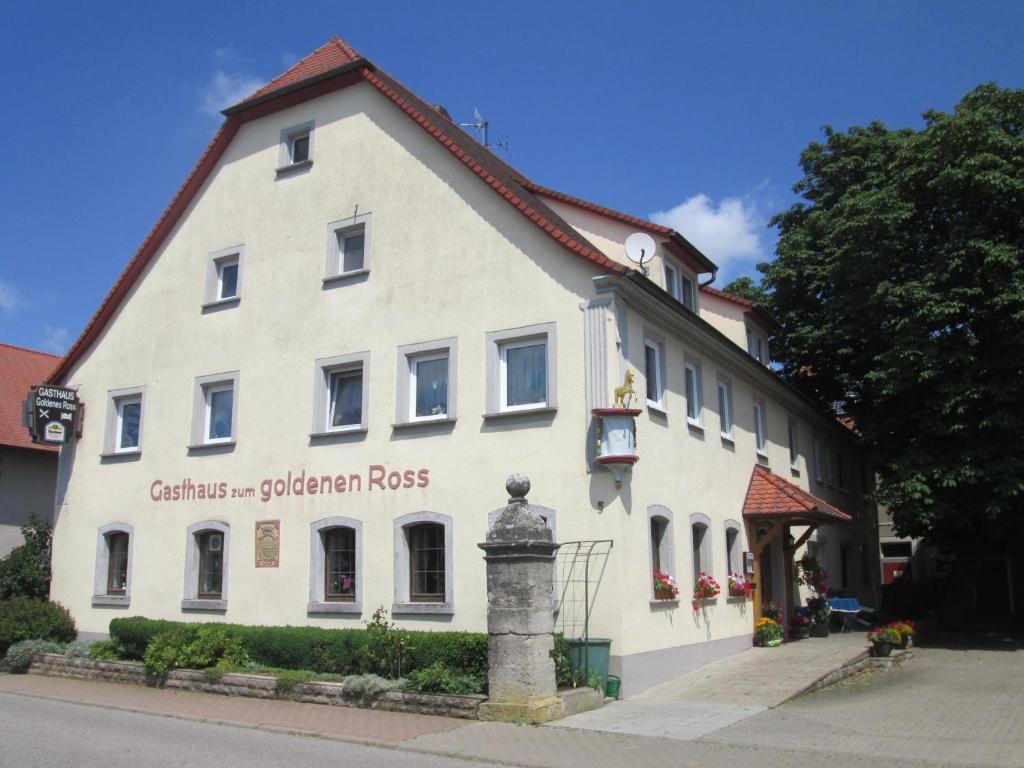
[748, 562]
[268, 543]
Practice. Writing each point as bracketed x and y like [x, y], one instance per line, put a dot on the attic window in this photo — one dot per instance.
[296, 148]
[299, 146]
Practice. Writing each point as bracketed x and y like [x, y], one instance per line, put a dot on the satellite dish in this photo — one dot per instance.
[640, 248]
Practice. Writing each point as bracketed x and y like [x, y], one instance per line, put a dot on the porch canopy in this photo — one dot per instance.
[780, 504]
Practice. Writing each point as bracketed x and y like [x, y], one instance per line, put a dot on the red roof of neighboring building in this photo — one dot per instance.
[20, 369]
[769, 496]
[333, 66]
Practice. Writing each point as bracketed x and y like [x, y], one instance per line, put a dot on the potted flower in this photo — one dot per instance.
[800, 627]
[772, 610]
[705, 589]
[813, 576]
[819, 610]
[738, 585]
[883, 639]
[767, 633]
[907, 631]
[665, 587]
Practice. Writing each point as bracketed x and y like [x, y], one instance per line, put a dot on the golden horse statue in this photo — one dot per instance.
[624, 392]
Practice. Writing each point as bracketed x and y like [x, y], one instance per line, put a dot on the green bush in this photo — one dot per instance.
[366, 687]
[193, 647]
[566, 675]
[105, 650]
[287, 679]
[326, 651]
[25, 619]
[20, 655]
[439, 679]
[77, 649]
[25, 572]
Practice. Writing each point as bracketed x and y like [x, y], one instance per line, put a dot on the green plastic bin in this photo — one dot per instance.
[612, 687]
[592, 654]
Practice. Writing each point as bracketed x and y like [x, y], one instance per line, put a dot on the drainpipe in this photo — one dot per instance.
[710, 279]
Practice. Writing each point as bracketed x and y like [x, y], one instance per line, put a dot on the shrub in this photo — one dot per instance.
[105, 650]
[77, 649]
[287, 679]
[133, 635]
[385, 649]
[20, 655]
[25, 572]
[439, 679]
[25, 619]
[566, 675]
[193, 647]
[366, 687]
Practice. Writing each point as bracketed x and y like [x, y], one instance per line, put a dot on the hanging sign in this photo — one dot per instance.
[53, 414]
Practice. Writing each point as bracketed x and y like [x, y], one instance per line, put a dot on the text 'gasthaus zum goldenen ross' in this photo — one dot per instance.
[378, 477]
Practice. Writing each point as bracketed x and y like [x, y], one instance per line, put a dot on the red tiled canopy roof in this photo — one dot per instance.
[20, 369]
[771, 497]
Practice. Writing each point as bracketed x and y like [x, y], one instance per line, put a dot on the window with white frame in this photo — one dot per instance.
[113, 574]
[336, 567]
[224, 276]
[426, 381]
[794, 449]
[688, 293]
[757, 346]
[206, 566]
[215, 413]
[521, 372]
[653, 372]
[423, 564]
[725, 408]
[340, 394]
[694, 394]
[124, 421]
[816, 459]
[348, 248]
[672, 280]
[761, 427]
[296, 148]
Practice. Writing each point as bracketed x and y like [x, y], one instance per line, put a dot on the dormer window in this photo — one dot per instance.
[672, 281]
[679, 286]
[688, 296]
[296, 148]
[757, 346]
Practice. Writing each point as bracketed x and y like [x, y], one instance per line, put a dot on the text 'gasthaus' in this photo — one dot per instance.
[304, 483]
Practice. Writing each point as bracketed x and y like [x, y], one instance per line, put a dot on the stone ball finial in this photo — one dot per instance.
[517, 485]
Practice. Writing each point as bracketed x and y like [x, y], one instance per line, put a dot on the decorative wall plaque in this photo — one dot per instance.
[268, 543]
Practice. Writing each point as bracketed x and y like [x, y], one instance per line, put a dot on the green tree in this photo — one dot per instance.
[25, 572]
[899, 284]
[746, 288]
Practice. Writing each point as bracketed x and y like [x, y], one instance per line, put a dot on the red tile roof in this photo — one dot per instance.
[333, 66]
[769, 496]
[20, 369]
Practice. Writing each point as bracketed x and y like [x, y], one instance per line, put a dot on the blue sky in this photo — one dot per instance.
[692, 114]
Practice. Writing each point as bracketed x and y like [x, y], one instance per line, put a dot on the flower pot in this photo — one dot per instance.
[799, 633]
[663, 593]
[882, 649]
[819, 630]
[772, 643]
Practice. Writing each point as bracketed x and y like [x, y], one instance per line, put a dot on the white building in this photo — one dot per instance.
[351, 323]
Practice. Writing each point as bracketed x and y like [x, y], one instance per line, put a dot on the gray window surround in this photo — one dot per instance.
[707, 562]
[760, 424]
[692, 363]
[210, 292]
[403, 376]
[547, 514]
[322, 370]
[199, 439]
[110, 436]
[657, 340]
[494, 341]
[317, 602]
[726, 434]
[734, 555]
[667, 551]
[190, 599]
[402, 603]
[350, 225]
[99, 589]
[289, 134]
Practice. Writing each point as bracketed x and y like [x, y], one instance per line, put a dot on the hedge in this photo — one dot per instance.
[26, 619]
[335, 651]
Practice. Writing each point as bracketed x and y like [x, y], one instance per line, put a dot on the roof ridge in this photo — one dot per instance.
[29, 349]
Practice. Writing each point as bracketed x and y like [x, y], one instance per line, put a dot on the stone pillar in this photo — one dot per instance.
[520, 553]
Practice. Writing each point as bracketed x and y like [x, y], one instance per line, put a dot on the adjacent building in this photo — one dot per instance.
[353, 321]
[28, 471]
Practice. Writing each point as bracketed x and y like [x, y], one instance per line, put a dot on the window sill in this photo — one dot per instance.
[224, 446]
[123, 600]
[736, 599]
[727, 439]
[440, 609]
[538, 411]
[695, 425]
[670, 603]
[424, 423]
[230, 301]
[358, 430]
[708, 601]
[343, 276]
[195, 604]
[339, 606]
[284, 170]
[657, 409]
[762, 458]
[794, 472]
[115, 456]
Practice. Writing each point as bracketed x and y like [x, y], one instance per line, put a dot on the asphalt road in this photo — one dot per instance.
[38, 733]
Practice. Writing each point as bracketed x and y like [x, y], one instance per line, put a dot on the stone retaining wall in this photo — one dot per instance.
[259, 687]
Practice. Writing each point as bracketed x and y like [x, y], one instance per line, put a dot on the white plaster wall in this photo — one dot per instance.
[726, 316]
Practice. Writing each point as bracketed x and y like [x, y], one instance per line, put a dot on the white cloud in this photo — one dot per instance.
[10, 299]
[56, 339]
[731, 231]
[225, 89]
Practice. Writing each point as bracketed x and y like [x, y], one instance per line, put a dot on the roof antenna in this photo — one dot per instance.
[481, 129]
